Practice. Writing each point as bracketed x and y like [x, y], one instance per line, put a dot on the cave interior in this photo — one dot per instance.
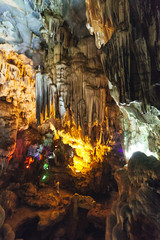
[79, 120]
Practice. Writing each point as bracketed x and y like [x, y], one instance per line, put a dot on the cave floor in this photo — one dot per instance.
[43, 213]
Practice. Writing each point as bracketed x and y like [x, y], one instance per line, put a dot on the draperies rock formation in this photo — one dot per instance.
[76, 81]
[49, 63]
[73, 76]
[46, 48]
[129, 36]
[130, 56]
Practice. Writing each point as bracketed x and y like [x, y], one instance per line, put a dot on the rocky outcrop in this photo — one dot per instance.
[9, 126]
[17, 84]
[135, 214]
[17, 100]
[130, 37]
[8, 200]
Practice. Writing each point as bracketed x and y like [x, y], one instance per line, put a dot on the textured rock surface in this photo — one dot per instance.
[131, 61]
[76, 81]
[2, 216]
[7, 233]
[74, 13]
[39, 219]
[8, 200]
[17, 100]
[135, 214]
[99, 20]
[73, 78]
[8, 126]
[130, 58]
[70, 74]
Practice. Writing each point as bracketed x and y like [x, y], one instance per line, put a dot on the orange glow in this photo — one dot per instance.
[40, 157]
[85, 155]
[28, 161]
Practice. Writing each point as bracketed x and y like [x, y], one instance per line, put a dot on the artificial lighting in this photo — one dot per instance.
[28, 161]
[85, 154]
[45, 166]
[138, 148]
[44, 177]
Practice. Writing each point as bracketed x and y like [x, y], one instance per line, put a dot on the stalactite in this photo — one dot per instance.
[39, 96]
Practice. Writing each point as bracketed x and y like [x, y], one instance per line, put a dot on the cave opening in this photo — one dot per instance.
[79, 120]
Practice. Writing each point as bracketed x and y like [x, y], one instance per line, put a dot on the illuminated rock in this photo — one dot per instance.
[17, 100]
[70, 74]
[78, 82]
[100, 20]
[131, 61]
[8, 133]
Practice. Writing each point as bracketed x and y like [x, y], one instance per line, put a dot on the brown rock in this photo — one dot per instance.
[2, 216]
[7, 232]
[8, 200]
[97, 216]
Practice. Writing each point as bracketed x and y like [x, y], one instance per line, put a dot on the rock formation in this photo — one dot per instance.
[135, 214]
[58, 62]
[129, 36]
[17, 100]
[75, 86]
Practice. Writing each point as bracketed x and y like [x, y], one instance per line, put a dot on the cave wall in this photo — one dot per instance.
[20, 54]
[17, 100]
[128, 34]
[47, 51]
[135, 213]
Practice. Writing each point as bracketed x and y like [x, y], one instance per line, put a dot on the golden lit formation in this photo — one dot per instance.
[28, 161]
[85, 154]
[18, 83]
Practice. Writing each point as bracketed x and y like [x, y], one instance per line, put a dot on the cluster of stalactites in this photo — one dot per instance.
[96, 22]
[48, 100]
[54, 5]
[14, 66]
[17, 81]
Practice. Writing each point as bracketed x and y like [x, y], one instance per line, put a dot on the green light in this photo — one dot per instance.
[44, 177]
[45, 166]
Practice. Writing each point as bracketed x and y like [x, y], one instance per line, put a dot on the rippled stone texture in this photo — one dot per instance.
[131, 61]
